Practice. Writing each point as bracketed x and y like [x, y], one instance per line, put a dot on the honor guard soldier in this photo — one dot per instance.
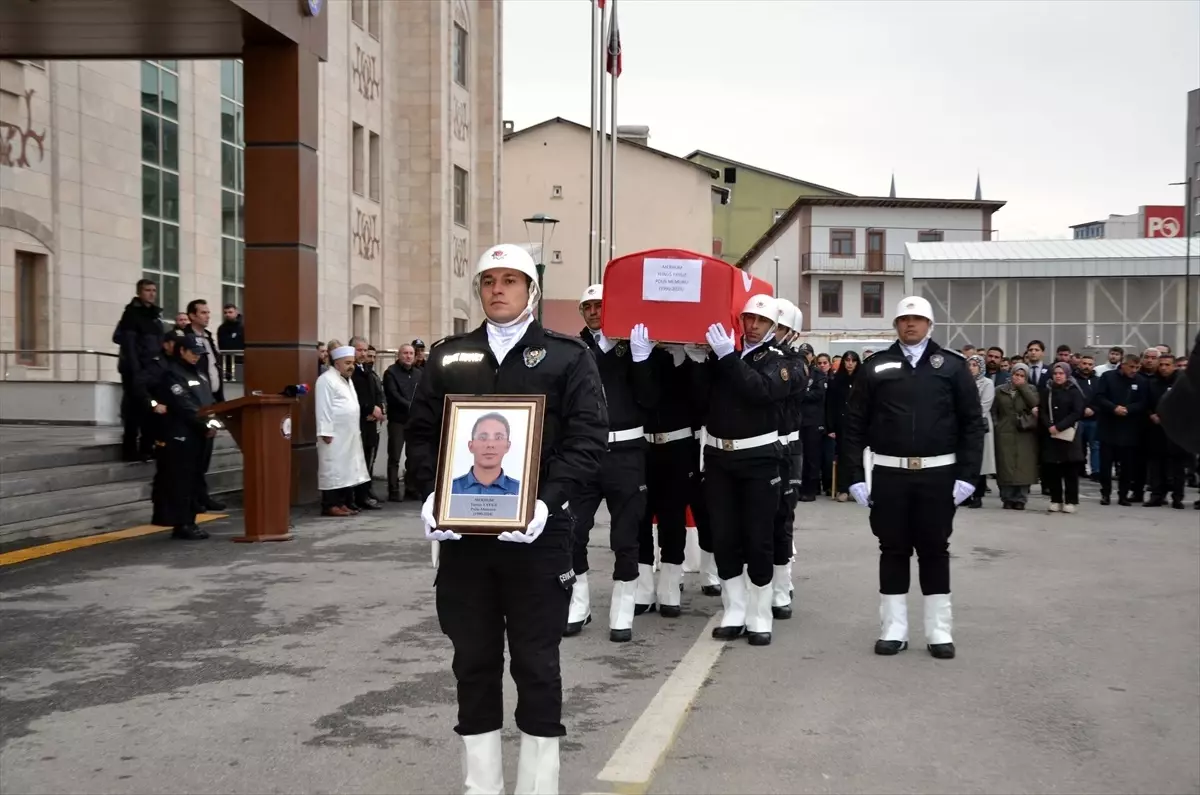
[744, 394]
[915, 405]
[790, 462]
[519, 583]
[179, 478]
[671, 466]
[627, 375]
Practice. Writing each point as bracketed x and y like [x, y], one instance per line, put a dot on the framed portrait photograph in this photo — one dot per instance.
[488, 463]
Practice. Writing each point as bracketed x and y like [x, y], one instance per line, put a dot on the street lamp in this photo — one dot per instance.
[540, 220]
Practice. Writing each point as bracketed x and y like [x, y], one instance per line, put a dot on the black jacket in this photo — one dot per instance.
[399, 386]
[1117, 390]
[630, 389]
[932, 409]
[575, 424]
[150, 385]
[139, 335]
[369, 390]
[1179, 409]
[837, 398]
[1087, 385]
[1065, 404]
[1156, 436]
[812, 404]
[231, 336]
[744, 395]
[185, 389]
[675, 408]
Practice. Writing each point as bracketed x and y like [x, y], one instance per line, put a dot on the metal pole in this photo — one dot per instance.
[594, 151]
[1188, 212]
[603, 127]
[612, 157]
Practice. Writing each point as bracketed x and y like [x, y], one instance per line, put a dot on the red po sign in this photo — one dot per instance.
[1163, 221]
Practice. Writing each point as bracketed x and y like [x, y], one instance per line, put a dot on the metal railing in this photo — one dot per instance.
[35, 364]
[822, 262]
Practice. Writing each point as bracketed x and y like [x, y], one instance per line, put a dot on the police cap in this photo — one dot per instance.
[189, 342]
[418, 343]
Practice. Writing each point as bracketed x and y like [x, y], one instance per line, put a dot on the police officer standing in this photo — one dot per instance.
[627, 375]
[179, 479]
[743, 395]
[149, 385]
[790, 462]
[916, 407]
[518, 584]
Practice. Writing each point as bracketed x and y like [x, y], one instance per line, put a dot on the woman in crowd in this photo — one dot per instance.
[987, 394]
[836, 395]
[1061, 408]
[1016, 443]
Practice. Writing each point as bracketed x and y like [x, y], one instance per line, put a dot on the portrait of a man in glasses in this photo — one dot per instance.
[490, 441]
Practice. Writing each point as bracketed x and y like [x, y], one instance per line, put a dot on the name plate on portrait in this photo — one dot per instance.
[676, 280]
[484, 506]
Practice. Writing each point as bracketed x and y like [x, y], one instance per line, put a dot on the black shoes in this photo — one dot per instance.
[710, 590]
[669, 611]
[759, 638]
[1105, 499]
[371, 504]
[730, 633]
[781, 613]
[620, 635]
[575, 627]
[642, 609]
[942, 651]
[189, 532]
[890, 647]
[1154, 502]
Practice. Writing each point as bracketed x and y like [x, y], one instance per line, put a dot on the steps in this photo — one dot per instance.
[66, 488]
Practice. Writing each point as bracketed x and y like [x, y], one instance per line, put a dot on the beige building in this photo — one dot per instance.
[111, 171]
[662, 201]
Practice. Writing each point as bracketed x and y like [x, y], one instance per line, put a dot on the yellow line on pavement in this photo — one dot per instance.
[32, 553]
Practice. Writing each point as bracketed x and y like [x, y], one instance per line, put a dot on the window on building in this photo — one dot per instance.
[718, 246]
[374, 14]
[556, 257]
[358, 320]
[841, 242]
[375, 156]
[32, 308]
[872, 299]
[460, 196]
[374, 324]
[556, 192]
[233, 190]
[160, 179]
[930, 236]
[831, 297]
[460, 55]
[357, 153]
[356, 12]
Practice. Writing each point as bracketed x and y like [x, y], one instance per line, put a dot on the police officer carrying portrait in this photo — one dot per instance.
[743, 394]
[178, 489]
[627, 375]
[519, 583]
[916, 407]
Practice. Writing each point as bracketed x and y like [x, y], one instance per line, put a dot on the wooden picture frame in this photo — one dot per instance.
[500, 438]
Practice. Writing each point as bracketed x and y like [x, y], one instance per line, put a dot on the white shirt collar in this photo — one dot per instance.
[749, 349]
[502, 339]
[914, 352]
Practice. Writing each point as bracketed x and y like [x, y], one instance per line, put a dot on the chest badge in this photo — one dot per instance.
[760, 354]
[534, 356]
[176, 389]
[937, 360]
[622, 349]
[783, 373]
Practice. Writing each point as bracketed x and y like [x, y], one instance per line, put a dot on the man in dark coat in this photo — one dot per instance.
[1121, 400]
[139, 336]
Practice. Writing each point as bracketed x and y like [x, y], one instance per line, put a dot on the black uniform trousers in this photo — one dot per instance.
[670, 468]
[812, 442]
[175, 491]
[790, 466]
[1127, 457]
[137, 424]
[1165, 471]
[487, 589]
[370, 442]
[622, 486]
[699, 506]
[913, 510]
[205, 460]
[743, 495]
[394, 451]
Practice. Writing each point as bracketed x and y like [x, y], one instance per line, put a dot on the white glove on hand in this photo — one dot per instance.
[678, 354]
[540, 514]
[431, 531]
[697, 353]
[719, 340]
[639, 343]
[604, 343]
[860, 494]
[962, 491]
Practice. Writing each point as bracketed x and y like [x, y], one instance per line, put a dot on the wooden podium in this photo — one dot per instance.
[262, 427]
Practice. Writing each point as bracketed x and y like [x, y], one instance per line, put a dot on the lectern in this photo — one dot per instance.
[262, 427]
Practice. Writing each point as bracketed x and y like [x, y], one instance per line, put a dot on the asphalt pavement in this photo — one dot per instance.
[317, 666]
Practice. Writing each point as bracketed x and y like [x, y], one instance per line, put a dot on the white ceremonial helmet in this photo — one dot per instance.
[763, 306]
[913, 305]
[513, 257]
[787, 313]
[593, 293]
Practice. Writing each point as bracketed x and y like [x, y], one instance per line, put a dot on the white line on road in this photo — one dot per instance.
[633, 763]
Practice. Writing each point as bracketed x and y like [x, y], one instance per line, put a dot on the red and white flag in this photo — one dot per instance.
[613, 61]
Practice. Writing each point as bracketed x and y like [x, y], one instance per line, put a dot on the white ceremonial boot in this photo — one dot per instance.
[643, 597]
[483, 770]
[537, 766]
[691, 551]
[733, 615]
[781, 592]
[620, 611]
[710, 583]
[580, 612]
[670, 578]
[893, 623]
[939, 622]
[759, 614]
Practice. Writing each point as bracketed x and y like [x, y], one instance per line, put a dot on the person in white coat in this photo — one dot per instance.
[340, 462]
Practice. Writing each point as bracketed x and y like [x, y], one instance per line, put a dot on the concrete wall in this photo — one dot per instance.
[73, 403]
[901, 225]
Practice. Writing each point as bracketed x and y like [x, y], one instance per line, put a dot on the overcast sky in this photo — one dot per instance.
[1070, 109]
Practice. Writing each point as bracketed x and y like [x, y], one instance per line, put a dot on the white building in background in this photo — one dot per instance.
[841, 258]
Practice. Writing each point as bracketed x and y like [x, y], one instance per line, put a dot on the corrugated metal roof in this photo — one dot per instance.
[1026, 250]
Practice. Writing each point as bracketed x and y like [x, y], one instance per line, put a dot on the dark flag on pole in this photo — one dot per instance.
[613, 62]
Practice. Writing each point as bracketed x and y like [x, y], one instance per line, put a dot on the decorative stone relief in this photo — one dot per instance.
[459, 257]
[365, 72]
[460, 119]
[366, 235]
[14, 139]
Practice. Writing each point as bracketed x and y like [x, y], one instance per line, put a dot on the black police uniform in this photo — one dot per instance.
[1165, 460]
[487, 588]
[672, 462]
[914, 412]
[148, 386]
[631, 392]
[789, 462]
[743, 395]
[812, 432]
[179, 479]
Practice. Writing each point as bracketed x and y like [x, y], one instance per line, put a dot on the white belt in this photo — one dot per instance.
[669, 436]
[627, 435]
[930, 462]
[697, 433]
[794, 436]
[743, 444]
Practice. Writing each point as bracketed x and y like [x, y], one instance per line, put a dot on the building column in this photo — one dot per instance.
[281, 183]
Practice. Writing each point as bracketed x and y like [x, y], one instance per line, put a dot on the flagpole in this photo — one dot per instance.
[594, 151]
[603, 244]
[612, 157]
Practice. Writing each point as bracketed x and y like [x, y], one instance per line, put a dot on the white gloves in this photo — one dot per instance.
[696, 353]
[540, 514]
[962, 491]
[640, 345]
[719, 340]
[860, 494]
[431, 531]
